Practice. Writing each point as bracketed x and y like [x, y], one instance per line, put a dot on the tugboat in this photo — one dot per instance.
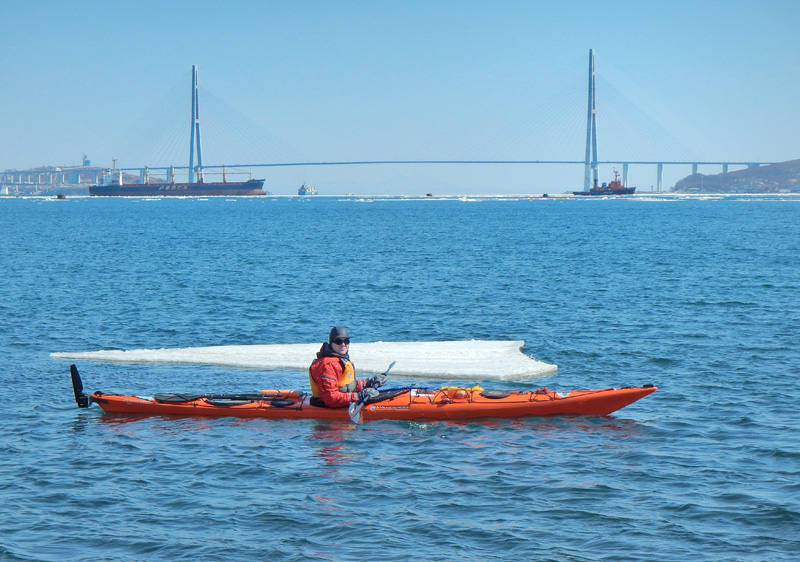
[306, 190]
[613, 188]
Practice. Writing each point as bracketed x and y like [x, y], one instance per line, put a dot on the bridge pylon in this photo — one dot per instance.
[590, 167]
[194, 143]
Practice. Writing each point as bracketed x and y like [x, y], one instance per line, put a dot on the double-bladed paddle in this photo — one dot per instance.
[355, 408]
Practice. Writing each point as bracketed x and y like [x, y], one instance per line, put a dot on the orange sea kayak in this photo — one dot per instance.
[411, 403]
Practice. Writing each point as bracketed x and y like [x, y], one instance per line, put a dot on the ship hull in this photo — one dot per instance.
[601, 191]
[206, 189]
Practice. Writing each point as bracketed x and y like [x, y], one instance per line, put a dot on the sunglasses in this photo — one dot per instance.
[340, 341]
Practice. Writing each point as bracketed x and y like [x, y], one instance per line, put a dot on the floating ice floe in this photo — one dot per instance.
[498, 360]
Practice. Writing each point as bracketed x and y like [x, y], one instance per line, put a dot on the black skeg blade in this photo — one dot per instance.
[77, 386]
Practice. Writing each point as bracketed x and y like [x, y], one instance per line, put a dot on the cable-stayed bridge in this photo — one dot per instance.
[659, 165]
[46, 180]
[86, 174]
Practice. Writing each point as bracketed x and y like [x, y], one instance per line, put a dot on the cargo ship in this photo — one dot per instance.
[112, 183]
[306, 190]
[113, 186]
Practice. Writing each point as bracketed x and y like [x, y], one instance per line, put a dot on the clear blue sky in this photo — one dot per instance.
[369, 80]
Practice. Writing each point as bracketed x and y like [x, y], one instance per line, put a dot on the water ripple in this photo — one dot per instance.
[690, 298]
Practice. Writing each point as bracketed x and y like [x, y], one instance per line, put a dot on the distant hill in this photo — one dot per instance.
[783, 177]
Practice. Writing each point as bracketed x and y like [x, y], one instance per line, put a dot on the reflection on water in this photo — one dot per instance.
[329, 440]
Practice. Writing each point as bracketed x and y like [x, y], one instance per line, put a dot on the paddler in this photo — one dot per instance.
[333, 376]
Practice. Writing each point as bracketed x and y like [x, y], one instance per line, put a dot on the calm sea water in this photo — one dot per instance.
[700, 297]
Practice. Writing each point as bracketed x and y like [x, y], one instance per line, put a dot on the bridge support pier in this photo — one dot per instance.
[625, 174]
[694, 169]
[660, 177]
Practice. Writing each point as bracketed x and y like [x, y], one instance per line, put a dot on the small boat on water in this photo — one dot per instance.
[615, 187]
[408, 403]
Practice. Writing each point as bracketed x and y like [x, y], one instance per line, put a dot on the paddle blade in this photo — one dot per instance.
[355, 412]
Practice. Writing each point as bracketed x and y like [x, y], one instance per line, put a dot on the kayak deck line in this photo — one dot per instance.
[407, 403]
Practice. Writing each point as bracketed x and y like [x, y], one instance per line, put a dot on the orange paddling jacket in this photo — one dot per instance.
[333, 379]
